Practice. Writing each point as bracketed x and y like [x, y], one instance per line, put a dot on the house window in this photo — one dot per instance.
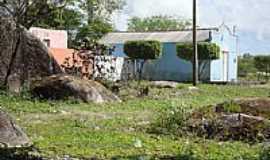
[47, 42]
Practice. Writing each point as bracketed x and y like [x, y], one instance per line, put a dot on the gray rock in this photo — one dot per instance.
[235, 120]
[23, 56]
[65, 87]
[11, 135]
[250, 106]
[164, 84]
[193, 89]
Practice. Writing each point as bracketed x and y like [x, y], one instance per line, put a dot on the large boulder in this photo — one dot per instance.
[23, 56]
[11, 135]
[59, 87]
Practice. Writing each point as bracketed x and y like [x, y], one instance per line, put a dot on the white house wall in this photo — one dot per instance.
[227, 42]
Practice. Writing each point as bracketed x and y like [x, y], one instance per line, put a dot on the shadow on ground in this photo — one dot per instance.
[15, 154]
[143, 157]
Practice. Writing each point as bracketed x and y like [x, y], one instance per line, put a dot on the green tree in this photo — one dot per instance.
[101, 9]
[157, 23]
[246, 66]
[98, 19]
[262, 63]
[206, 52]
[143, 50]
[27, 12]
[66, 18]
[92, 31]
[83, 19]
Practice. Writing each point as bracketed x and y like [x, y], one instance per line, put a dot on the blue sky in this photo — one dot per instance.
[252, 17]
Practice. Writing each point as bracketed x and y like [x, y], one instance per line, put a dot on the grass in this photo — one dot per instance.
[112, 131]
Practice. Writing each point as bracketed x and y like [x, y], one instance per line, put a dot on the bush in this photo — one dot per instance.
[265, 153]
[171, 122]
[262, 63]
[206, 51]
[246, 67]
[142, 49]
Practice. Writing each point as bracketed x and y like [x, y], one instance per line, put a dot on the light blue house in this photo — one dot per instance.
[171, 68]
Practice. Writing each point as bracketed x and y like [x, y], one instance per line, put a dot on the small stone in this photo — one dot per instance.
[165, 84]
[193, 89]
[97, 128]
[138, 143]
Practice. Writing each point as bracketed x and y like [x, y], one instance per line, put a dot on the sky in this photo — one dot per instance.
[252, 17]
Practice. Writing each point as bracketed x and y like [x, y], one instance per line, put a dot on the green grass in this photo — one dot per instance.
[111, 130]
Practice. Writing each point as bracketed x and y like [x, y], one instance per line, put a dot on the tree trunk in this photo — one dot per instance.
[140, 72]
[202, 67]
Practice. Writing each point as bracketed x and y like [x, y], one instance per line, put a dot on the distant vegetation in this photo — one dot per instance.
[254, 67]
[158, 23]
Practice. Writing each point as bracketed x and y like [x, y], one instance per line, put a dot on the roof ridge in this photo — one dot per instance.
[185, 30]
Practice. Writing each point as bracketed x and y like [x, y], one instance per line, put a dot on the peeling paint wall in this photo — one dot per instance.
[113, 68]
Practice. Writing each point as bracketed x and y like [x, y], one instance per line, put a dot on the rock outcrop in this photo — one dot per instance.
[11, 135]
[23, 56]
[245, 119]
[250, 106]
[59, 87]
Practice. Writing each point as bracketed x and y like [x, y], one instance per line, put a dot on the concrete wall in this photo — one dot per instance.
[228, 44]
[168, 67]
[113, 68]
[56, 38]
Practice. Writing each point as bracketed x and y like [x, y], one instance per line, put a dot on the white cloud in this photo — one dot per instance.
[248, 15]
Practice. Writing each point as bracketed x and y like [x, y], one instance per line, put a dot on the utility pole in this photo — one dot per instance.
[195, 46]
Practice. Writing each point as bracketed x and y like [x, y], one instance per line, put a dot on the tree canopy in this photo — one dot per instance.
[98, 18]
[262, 63]
[27, 12]
[100, 9]
[157, 23]
[206, 51]
[142, 49]
[83, 19]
